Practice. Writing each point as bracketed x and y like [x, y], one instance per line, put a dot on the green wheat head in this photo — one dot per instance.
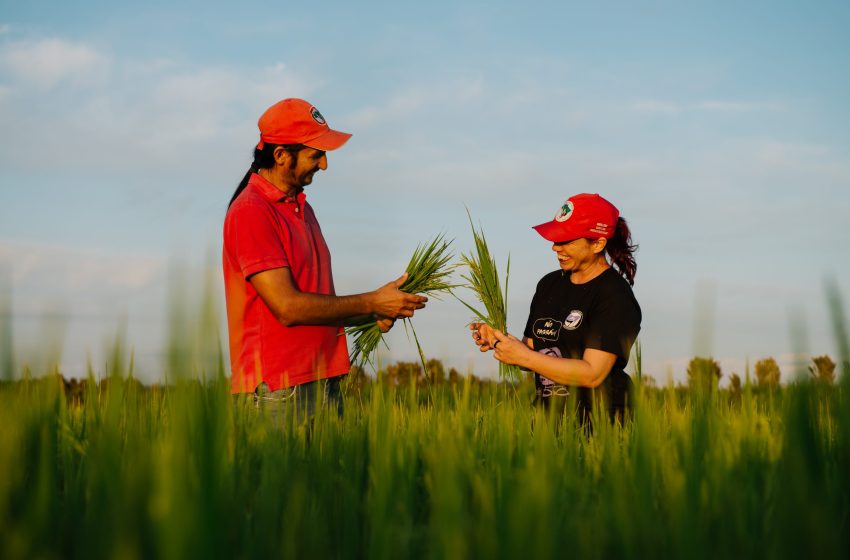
[428, 273]
[482, 278]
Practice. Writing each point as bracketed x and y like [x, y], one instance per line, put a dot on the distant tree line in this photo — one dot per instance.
[704, 373]
[405, 374]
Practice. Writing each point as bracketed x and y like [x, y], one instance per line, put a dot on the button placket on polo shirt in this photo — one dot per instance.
[288, 201]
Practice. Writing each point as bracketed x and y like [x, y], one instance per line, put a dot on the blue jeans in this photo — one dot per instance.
[300, 400]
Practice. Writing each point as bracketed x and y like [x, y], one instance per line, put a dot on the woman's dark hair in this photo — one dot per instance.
[264, 159]
[622, 251]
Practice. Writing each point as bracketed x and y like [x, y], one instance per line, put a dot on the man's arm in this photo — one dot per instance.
[291, 306]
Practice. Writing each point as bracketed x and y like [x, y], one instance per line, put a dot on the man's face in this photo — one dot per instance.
[304, 164]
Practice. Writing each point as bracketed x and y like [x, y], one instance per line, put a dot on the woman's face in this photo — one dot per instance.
[577, 254]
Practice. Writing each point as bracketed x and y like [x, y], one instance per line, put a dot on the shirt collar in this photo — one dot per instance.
[272, 193]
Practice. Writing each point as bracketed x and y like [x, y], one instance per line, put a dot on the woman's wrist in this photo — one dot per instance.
[527, 357]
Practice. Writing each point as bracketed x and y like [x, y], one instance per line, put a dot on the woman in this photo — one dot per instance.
[584, 317]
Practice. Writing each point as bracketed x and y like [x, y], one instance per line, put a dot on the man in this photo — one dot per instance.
[285, 320]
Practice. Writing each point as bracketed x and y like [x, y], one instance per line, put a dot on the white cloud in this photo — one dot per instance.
[213, 88]
[661, 107]
[124, 114]
[650, 106]
[797, 167]
[46, 63]
[739, 106]
[774, 153]
[68, 270]
[152, 66]
[395, 107]
[67, 299]
[196, 106]
[4, 28]
[416, 98]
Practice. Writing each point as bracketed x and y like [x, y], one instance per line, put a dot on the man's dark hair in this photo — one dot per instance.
[264, 159]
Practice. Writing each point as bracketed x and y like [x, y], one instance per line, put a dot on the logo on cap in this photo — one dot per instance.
[317, 116]
[601, 228]
[565, 212]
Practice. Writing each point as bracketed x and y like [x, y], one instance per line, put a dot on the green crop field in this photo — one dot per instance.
[462, 470]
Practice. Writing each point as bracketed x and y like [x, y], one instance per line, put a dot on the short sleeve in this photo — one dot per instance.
[252, 238]
[529, 332]
[614, 326]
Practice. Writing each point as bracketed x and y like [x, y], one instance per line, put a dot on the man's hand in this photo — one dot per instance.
[385, 324]
[388, 302]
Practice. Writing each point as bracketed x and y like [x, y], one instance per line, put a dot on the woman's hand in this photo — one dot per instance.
[509, 349]
[482, 335]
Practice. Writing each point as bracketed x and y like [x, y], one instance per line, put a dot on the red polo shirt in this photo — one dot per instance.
[264, 229]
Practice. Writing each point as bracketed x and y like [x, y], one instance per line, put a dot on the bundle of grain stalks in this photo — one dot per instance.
[428, 273]
[483, 280]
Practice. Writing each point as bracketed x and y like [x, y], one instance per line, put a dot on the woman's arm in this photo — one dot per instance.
[590, 371]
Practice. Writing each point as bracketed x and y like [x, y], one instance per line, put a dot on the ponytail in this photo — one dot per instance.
[621, 250]
[263, 159]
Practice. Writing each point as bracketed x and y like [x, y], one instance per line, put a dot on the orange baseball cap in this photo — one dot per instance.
[295, 121]
[582, 215]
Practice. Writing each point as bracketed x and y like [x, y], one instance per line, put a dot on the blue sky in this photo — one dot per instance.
[720, 130]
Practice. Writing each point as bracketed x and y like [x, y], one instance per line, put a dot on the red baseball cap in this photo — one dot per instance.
[295, 121]
[582, 215]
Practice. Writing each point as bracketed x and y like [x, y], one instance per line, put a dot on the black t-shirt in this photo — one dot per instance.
[566, 318]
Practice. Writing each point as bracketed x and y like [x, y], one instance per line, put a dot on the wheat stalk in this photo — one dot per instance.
[428, 273]
[483, 279]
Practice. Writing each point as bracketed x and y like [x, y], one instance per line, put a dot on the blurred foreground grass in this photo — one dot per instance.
[465, 470]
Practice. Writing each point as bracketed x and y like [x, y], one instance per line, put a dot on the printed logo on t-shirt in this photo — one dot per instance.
[555, 353]
[573, 320]
[547, 329]
[547, 387]
[317, 116]
[565, 212]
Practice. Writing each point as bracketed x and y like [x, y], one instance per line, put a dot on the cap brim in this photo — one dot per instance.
[330, 140]
[555, 231]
